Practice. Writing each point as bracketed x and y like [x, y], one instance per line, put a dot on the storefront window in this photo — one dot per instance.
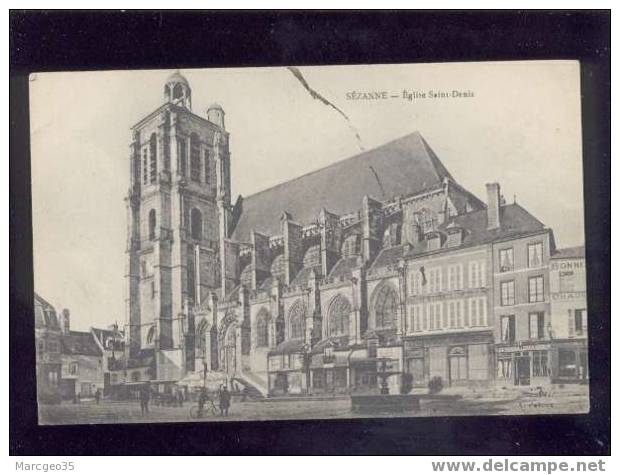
[504, 368]
[458, 364]
[568, 363]
[318, 379]
[540, 364]
[340, 377]
[415, 367]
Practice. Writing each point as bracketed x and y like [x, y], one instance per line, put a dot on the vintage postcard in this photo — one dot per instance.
[309, 242]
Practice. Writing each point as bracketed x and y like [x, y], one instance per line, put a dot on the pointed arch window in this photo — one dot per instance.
[152, 224]
[386, 307]
[182, 157]
[194, 158]
[145, 166]
[262, 329]
[153, 158]
[296, 320]
[208, 168]
[196, 224]
[339, 312]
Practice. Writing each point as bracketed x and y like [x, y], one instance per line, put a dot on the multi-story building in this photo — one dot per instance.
[345, 278]
[48, 357]
[522, 306]
[569, 315]
[82, 362]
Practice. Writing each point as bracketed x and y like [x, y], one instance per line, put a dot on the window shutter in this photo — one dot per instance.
[571, 323]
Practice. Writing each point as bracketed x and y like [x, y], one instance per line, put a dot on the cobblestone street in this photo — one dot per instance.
[571, 400]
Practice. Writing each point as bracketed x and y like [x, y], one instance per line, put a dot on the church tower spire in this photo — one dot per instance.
[178, 210]
[177, 90]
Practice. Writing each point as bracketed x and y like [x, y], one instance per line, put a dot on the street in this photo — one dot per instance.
[570, 400]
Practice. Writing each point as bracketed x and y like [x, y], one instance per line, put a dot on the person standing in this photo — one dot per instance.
[97, 396]
[145, 396]
[224, 401]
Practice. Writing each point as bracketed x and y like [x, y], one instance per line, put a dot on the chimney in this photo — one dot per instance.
[65, 321]
[493, 204]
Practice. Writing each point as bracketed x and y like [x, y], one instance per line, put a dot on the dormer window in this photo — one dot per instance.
[434, 240]
[455, 236]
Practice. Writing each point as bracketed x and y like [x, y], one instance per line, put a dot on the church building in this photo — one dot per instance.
[375, 271]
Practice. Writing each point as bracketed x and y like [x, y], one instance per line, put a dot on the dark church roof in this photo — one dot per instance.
[404, 166]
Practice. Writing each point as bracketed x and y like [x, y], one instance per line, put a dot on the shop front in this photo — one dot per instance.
[572, 361]
[462, 359]
[525, 364]
[286, 374]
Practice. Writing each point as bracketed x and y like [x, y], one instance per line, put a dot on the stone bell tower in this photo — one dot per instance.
[180, 184]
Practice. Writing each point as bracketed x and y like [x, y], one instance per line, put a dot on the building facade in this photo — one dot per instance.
[380, 270]
[82, 362]
[48, 356]
[569, 315]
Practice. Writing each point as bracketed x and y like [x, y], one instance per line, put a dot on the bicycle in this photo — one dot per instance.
[209, 407]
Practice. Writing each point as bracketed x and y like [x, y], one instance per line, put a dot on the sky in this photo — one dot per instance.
[521, 128]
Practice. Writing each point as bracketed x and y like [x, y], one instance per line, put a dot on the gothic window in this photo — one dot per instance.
[196, 222]
[262, 328]
[296, 320]
[145, 166]
[166, 141]
[386, 307]
[194, 158]
[150, 336]
[152, 224]
[207, 168]
[153, 156]
[339, 312]
[182, 158]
